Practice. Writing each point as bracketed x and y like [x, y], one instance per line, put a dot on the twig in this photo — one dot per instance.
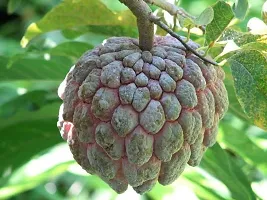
[145, 27]
[169, 7]
[157, 21]
[173, 10]
[188, 33]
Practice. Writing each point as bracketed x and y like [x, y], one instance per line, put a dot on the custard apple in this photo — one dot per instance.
[137, 117]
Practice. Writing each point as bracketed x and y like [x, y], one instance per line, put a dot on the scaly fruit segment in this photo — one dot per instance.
[137, 117]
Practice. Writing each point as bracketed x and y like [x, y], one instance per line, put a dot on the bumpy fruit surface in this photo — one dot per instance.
[137, 117]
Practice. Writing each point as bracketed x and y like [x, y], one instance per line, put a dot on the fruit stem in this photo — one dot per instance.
[145, 27]
[172, 9]
[188, 33]
[158, 22]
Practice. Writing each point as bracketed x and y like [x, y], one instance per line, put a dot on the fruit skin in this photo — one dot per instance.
[137, 117]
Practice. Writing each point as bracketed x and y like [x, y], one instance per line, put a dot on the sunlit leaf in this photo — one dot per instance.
[30, 176]
[203, 185]
[71, 13]
[236, 41]
[115, 6]
[249, 69]
[223, 15]
[107, 31]
[240, 38]
[186, 22]
[159, 191]
[256, 46]
[30, 183]
[234, 106]
[205, 17]
[239, 142]
[72, 49]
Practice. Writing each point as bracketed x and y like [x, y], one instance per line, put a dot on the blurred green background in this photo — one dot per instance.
[35, 163]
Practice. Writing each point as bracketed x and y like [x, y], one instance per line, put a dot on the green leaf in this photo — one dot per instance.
[74, 32]
[42, 193]
[7, 93]
[223, 15]
[26, 134]
[240, 9]
[236, 41]
[246, 39]
[264, 12]
[107, 31]
[234, 106]
[113, 30]
[239, 142]
[231, 34]
[159, 191]
[71, 13]
[21, 87]
[205, 17]
[3, 62]
[24, 179]
[12, 44]
[29, 101]
[249, 69]
[73, 49]
[13, 6]
[115, 6]
[217, 162]
[54, 68]
[256, 46]
[203, 185]
[186, 22]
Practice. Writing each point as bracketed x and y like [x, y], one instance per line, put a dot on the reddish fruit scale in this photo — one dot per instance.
[137, 117]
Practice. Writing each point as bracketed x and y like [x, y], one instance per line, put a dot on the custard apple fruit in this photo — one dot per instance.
[137, 117]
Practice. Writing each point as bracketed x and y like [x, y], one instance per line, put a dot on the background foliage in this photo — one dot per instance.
[35, 164]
